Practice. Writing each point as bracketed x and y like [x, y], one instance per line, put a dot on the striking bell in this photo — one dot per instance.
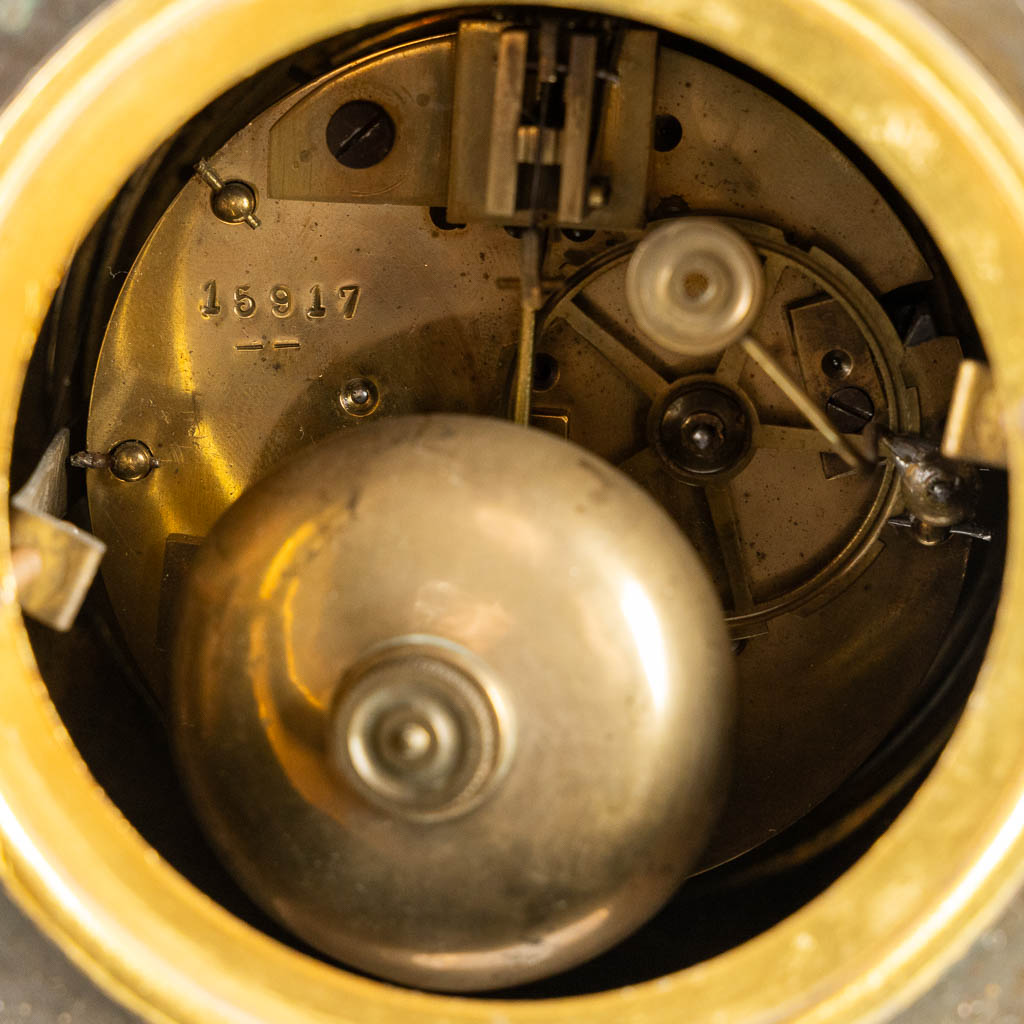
[452, 698]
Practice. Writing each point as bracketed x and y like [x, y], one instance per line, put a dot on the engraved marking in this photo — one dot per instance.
[287, 344]
[210, 306]
[249, 348]
[317, 308]
[245, 304]
[350, 293]
[280, 300]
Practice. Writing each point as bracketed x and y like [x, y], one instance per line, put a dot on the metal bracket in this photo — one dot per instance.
[55, 561]
[580, 162]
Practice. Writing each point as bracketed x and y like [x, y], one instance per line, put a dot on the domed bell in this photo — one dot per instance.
[453, 699]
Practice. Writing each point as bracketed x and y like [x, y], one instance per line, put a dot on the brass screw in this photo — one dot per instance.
[131, 461]
[359, 397]
[127, 461]
[360, 134]
[233, 202]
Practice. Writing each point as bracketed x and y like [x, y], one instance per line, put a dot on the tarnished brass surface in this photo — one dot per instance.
[813, 304]
[223, 381]
[936, 126]
[245, 365]
[414, 84]
[338, 622]
[810, 574]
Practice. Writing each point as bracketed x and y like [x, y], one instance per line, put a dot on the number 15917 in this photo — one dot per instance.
[316, 304]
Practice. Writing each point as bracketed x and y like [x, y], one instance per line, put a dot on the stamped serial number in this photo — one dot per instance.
[282, 301]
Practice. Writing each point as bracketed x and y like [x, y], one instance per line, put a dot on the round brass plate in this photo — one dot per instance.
[229, 380]
[940, 131]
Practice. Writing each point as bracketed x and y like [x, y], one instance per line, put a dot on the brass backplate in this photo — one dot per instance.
[257, 334]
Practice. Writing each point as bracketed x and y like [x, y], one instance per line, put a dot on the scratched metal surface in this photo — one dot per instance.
[37, 984]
